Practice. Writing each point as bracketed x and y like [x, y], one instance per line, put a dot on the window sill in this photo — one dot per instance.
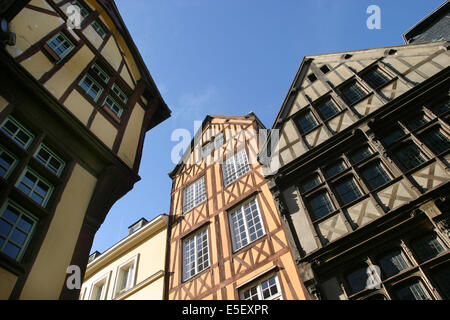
[249, 245]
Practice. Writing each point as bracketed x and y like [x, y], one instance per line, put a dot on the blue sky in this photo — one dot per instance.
[232, 57]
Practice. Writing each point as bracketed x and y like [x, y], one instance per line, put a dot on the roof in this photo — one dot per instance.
[427, 21]
[164, 112]
[188, 151]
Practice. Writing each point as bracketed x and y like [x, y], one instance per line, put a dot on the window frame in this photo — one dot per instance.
[344, 87]
[13, 136]
[40, 179]
[203, 197]
[239, 208]
[235, 175]
[302, 114]
[365, 73]
[340, 182]
[52, 155]
[52, 50]
[94, 81]
[8, 172]
[105, 279]
[258, 285]
[131, 282]
[30, 234]
[193, 236]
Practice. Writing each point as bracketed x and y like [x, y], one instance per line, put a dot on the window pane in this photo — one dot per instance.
[7, 162]
[416, 122]
[194, 194]
[5, 228]
[235, 167]
[410, 156]
[320, 205]
[348, 191]
[396, 134]
[17, 132]
[393, 263]
[375, 176]
[413, 291]
[246, 225]
[360, 155]
[328, 110]
[11, 250]
[375, 78]
[306, 122]
[353, 93]
[311, 183]
[195, 254]
[338, 167]
[428, 247]
[437, 141]
[441, 108]
[358, 280]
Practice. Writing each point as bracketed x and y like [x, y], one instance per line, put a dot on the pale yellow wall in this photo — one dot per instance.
[93, 37]
[7, 283]
[79, 106]
[128, 147]
[151, 260]
[3, 103]
[62, 79]
[112, 54]
[47, 276]
[37, 65]
[30, 26]
[104, 130]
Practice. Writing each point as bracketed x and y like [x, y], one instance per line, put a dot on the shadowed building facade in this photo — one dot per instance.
[226, 239]
[75, 105]
[363, 186]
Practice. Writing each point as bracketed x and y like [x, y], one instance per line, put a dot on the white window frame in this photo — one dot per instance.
[202, 198]
[132, 262]
[66, 39]
[39, 177]
[119, 93]
[120, 112]
[258, 285]
[237, 210]
[13, 165]
[196, 266]
[231, 176]
[93, 82]
[52, 155]
[13, 135]
[102, 279]
[30, 234]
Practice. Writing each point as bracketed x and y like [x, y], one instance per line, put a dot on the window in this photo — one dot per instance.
[335, 169]
[353, 93]
[306, 122]
[358, 280]
[328, 109]
[441, 108]
[268, 289]
[347, 191]
[119, 93]
[428, 247]
[409, 156]
[16, 229]
[393, 263]
[207, 149]
[194, 194]
[395, 135]
[325, 68]
[99, 289]
[375, 175]
[114, 106]
[195, 254]
[126, 276]
[360, 155]
[50, 160]
[235, 167]
[17, 132]
[437, 141]
[35, 187]
[219, 140]
[416, 122]
[7, 162]
[61, 45]
[311, 183]
[412, 291]
[91, 87]
[375, 78]
[320, 205]
[312, 77]
[442, 279]
[99, 29]
[102, 74]
[83, 10]
[246, 225]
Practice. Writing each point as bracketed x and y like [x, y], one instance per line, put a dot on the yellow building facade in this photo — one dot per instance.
[75, 104]
[227, 241]
[133, 269]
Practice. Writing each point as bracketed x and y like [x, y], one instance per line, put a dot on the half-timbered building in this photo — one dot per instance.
[227, 241]
[76, 101]
[363, 187]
